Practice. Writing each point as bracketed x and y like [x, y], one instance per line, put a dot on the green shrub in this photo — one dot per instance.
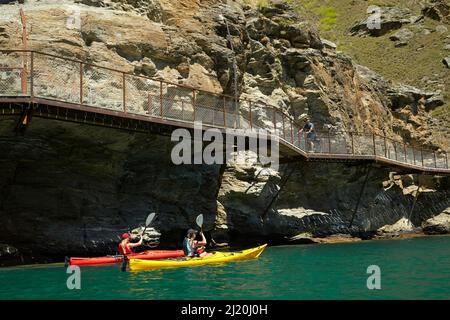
[262, 4]
[328, 17]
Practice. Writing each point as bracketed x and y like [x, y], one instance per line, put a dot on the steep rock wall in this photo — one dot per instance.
[72, 189]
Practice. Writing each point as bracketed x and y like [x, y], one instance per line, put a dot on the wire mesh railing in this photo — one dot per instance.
[15, 79]
[42, 75]
[55, 79]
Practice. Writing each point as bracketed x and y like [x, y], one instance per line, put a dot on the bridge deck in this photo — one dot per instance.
[86, 93]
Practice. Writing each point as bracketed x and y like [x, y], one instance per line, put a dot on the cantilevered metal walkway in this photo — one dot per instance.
[36, 84]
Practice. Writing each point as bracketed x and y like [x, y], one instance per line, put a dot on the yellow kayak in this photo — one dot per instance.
[216, 257]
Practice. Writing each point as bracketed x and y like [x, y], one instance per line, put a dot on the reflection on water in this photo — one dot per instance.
[202, 282]
[411, 269]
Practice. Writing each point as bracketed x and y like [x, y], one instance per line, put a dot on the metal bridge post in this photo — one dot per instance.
[274, 120]
[237, 121]
[404, 148]
[284, 130]
[182, 109]
[292, 132]
[32, 75]
[24, 71]
[353, 143]
[414, 156]
[299, 139]
[421, 155]
[194, 102]
[161, 99]
[385, 146]
[360, 195]
[150, 104]
[124, 93]
[446, 160]
[224, 113]
[329, 142]
[395, 150]
[81, 83]
[374, 147]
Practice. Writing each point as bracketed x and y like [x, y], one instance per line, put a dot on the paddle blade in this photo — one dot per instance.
[150, 218]
[199, 220]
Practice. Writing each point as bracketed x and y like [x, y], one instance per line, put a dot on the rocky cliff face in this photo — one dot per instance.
[72, 189]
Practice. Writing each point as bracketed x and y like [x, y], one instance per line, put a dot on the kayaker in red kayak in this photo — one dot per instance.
[126, 247]
[192, 247]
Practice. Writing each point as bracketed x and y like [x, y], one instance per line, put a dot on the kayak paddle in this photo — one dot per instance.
[199, 221]
[149, 220]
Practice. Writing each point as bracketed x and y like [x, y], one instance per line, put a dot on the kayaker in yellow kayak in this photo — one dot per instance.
[192, 247]
[126, 247]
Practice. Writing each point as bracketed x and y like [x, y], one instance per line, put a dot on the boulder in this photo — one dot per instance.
[9, 255]
[277, 7]
[402, 225]
[145, 67]
[446, 61]
[383, 20]
[278, 22]
[151, 236]
[434, 102]
[437, 10]
[328, 44]
[298, 60]
[402, 37]
[372, 77]
[439, 224]
[441, 29]
[301, 238]
[7, 251]
[403, 95]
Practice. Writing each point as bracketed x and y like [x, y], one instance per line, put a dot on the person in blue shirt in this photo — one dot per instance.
[192, 247]
[311, 136]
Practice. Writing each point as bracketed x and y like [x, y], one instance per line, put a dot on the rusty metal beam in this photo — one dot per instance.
[24, 119]
[369, 167]
[24, 72]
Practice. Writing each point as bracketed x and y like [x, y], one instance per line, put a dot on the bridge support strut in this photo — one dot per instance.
[24, 120]
[282, 184]
[369, 167]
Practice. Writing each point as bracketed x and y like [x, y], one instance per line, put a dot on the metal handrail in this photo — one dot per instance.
[284, 125]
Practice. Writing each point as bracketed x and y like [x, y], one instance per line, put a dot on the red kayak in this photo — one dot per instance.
[146, 255]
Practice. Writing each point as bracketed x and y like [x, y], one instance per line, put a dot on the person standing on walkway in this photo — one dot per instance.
[311, 136]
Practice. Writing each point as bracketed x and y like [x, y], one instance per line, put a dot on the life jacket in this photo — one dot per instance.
[124, 249]
[189, 249]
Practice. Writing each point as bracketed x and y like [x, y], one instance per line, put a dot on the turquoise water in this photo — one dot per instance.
[410, 269]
